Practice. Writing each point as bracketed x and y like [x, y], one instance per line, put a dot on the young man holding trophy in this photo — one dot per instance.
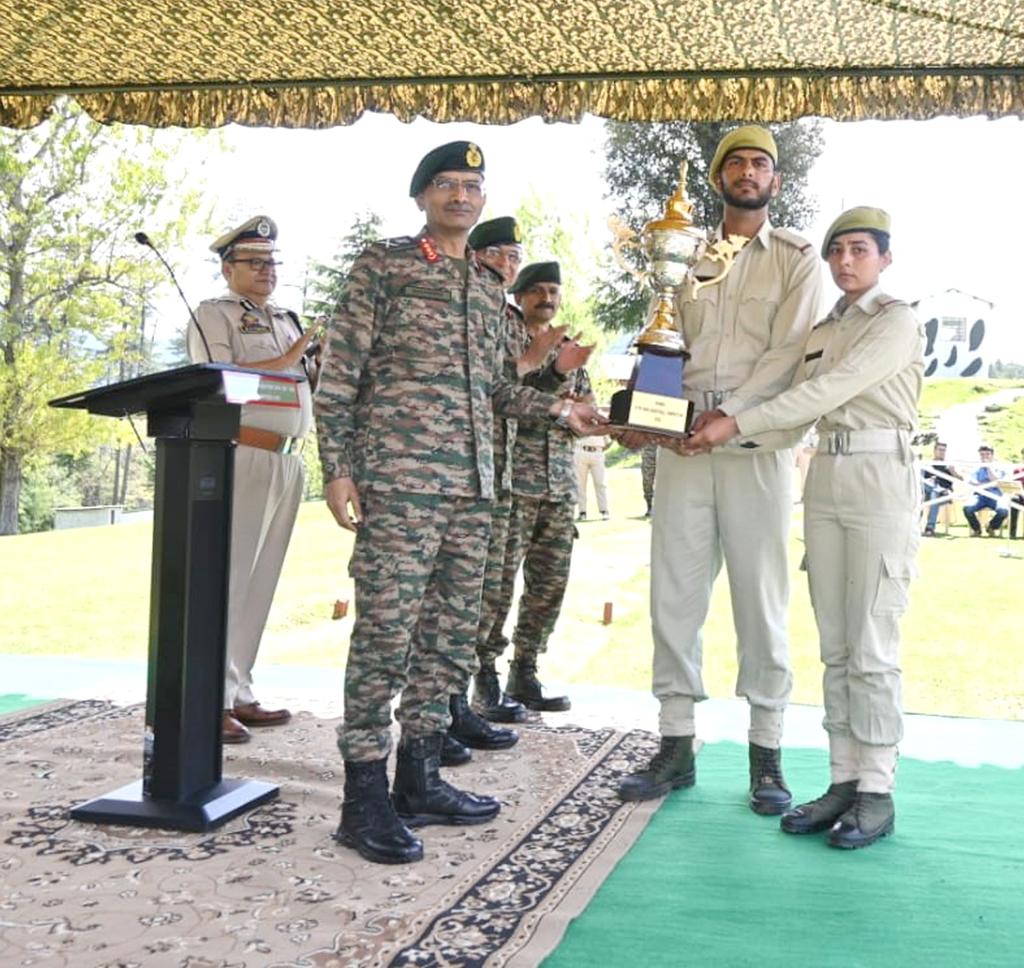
[742, 330]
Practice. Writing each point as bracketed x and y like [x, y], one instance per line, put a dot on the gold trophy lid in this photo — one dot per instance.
[678, 209]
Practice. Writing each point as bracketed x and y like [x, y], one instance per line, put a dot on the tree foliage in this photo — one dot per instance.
[74, 294]
[642, 171]
[326, 280]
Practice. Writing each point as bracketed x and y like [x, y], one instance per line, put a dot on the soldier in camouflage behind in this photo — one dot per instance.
[412, 369]
[541, 528]
[497, 243]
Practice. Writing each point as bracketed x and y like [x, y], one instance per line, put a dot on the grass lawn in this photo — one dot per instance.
[85, 593]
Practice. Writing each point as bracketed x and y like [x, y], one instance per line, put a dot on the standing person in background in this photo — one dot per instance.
[860, 380]
[245, 327]
[648, 467]
[745, 336]
[590, 464]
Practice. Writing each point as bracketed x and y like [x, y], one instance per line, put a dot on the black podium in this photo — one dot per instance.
[193, 412]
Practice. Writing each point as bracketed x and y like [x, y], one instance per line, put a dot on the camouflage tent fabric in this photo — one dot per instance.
[204, 63]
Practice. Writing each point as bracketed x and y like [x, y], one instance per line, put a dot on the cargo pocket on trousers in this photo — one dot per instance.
[376, 580]
[893, 593]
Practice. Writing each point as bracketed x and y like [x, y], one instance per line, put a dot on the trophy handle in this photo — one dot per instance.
[623, 238]
[724, 251]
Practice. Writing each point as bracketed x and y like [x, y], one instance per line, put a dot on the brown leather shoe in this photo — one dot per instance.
[232, 731]
[253, 714]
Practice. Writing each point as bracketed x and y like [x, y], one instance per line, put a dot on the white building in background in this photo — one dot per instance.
[959, 331]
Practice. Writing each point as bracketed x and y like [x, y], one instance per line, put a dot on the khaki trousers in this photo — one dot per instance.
[861, 513]
[591, 462]
[265, 499]
[715, 507]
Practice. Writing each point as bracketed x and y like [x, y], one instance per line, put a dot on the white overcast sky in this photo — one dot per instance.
[951, 186]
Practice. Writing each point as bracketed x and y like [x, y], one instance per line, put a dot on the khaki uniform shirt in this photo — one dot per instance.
[862, 370]
[746, 333]
[238, 331]
[412, 374]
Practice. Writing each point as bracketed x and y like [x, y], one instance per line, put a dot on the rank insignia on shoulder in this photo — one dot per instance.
[429, 249]
[399, 242]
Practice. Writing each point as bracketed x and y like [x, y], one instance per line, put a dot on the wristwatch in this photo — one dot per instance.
[562, 420]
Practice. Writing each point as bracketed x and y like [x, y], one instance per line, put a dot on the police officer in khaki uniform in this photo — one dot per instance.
[745, 336]
[243, 326]
[860, 380]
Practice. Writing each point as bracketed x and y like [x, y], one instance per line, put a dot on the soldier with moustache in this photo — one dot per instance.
[243, 326]
[412, 377]
[541, 529]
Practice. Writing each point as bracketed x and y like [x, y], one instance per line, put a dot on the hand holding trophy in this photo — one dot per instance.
[671, 246]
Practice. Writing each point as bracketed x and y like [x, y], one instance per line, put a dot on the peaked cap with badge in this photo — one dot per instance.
[537, 272]
[863, 218]
[454, 156]
[259, 234]
[745, 136]
[496, 231]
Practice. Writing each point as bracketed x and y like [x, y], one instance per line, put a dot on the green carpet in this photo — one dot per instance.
[711, 884]
[11, 702]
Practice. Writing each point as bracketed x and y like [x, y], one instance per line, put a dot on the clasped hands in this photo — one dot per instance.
[711, 429]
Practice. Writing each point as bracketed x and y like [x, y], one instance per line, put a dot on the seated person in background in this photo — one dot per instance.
[937, 482]
[985, 479]
[1017, 500]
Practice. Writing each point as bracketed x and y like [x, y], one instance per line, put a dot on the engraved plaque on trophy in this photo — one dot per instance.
[654, 401]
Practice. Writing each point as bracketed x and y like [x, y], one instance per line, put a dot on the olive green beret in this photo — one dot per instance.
[257, 235]
[454, 156]
[537, 272]
[860, 219]
[747, 136]
[496, 231]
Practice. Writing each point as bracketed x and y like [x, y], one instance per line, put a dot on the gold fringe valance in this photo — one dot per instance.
[776, 98]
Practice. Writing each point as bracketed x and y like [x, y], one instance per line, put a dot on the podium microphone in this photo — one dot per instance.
[145, 240]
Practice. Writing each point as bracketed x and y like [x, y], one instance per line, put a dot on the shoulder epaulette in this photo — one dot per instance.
[791, 238]
[224, 297]
[399, 242]
[885, 301]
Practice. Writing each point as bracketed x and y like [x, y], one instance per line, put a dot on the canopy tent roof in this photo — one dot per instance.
[324, 62]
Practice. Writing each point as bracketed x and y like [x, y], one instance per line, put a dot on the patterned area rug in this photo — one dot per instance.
[272, 888]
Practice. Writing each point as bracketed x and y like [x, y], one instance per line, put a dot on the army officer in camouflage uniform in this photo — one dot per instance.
[243, 326]
[543, 497]
[860, 380]
[412, 371]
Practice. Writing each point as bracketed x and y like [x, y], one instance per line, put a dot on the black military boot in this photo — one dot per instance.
[819, 815]
[769, 795]
[420, 795]
[871, 817]
[672, 767]
[453, 753]
[472, 731]
[491, 702]
[524, 686]
[369, 823]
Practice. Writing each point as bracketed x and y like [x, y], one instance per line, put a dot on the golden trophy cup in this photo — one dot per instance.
[671, 247]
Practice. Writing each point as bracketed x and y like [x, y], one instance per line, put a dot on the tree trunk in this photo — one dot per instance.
[116, 489]
[10, 490]
[123, 498]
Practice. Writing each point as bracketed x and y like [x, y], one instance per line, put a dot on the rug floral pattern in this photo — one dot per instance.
[272, 888]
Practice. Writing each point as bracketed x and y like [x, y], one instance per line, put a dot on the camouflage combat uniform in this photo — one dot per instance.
[413, 361]
[541, 532]
[492, 601]
[648, 465]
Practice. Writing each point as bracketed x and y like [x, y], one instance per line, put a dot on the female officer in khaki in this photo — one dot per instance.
[859, 383]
